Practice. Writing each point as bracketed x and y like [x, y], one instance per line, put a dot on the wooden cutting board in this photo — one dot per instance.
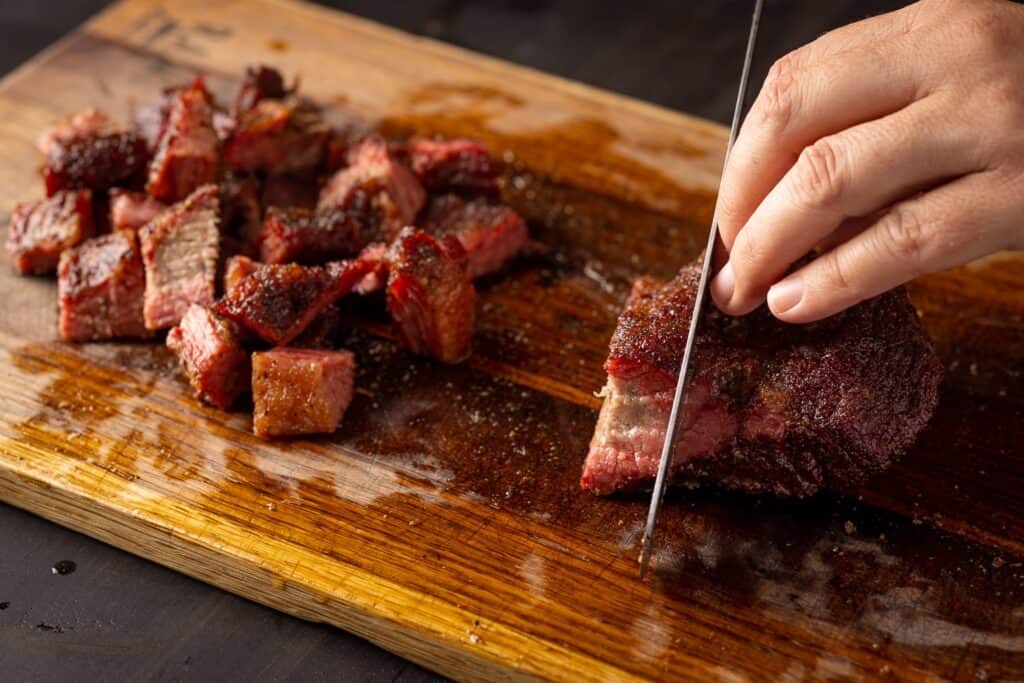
[444, 521]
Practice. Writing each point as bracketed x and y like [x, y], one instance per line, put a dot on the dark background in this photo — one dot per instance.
[118, 617]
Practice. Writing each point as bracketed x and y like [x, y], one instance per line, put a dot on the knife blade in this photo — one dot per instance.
[682, 383]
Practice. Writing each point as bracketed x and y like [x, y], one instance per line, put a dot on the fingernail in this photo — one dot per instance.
[784, 295]
[724, 284]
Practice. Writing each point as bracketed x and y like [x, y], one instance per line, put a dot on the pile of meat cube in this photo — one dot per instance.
[239, 230]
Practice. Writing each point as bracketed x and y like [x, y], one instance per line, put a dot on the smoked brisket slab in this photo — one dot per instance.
[42, 229]
[772, 407]
[430, 295]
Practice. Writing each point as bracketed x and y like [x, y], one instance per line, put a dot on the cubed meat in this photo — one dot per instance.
[100, 289]
[304, 236]
[490, 234]
[179, 250]
[132, 210]
[376, 190]
[41, 230]
[771, 407]
[459, 165]
[236, 269]
[149, 120]
[277, 302]
[276, 136]
[290, 191]
[260, 82]
[241, 217]
[187, 154]
[213, 358]
[91, 152]
[300, 391]
[430, 295]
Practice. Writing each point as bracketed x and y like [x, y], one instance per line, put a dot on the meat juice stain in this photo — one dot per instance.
[64, 568]
[4, 605]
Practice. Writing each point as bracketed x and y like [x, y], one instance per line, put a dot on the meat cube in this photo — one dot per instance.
[91, 152]
[213, 358]
[277, 302]
[187, 154]
[237, 269]
[290, 191]
[179, 251]
[276, 136]
[149, 120]
[259, 83]
[100, 288]
[304, 236]
[240, 211]
[430, 295]
[490, 234]
[132, 210]
[378, 192]
[41, 230]
[771, 407]
[459, 165]
[300, 391]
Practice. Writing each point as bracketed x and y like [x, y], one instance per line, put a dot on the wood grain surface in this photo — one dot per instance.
[444, 521]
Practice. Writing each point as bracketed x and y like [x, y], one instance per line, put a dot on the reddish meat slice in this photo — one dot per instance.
[132, 210]
[259, 83]
[91, 152]
[430, 295]
[100, 287]
[774, 408]
[216, 364]
[490, 234]
[187, 154]
[277, 302]
[180, 249]
[237, 269]
[300, 391]
[375, 190]
[276, 136]
[459, 165]
[304, 236]
[41, 230]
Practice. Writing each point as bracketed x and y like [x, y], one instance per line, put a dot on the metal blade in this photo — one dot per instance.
[682, 384]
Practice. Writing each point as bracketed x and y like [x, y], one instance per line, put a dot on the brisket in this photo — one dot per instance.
[132, 210]
[216, 364]
[771, 407]
[41, 230]
[491, 234]
[91, 152]
[300, 391]
[457, 165]
[187, 154]
[430, 295]
[303, 236]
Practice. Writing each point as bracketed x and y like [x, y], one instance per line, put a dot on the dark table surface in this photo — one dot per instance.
[118, 617]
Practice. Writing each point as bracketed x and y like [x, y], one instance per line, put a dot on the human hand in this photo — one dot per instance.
[896, 144]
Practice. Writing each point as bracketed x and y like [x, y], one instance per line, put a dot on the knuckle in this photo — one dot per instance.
[818, 178]
[835, 273]
[905, 237]
[776, 104]
[987, 30]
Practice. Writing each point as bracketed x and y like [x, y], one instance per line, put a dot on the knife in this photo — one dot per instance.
[682, 383]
